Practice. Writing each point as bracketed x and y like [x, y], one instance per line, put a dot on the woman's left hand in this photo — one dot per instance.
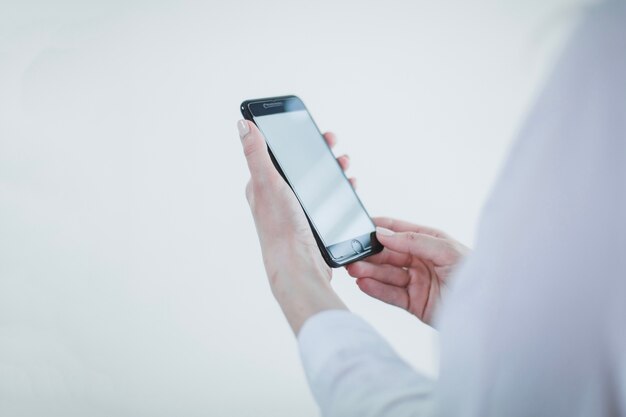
[298, 275]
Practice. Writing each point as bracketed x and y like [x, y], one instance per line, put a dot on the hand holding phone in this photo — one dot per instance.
[343, 230]
[298, 276]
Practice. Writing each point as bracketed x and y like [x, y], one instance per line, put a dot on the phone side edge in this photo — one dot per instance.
[245, 111]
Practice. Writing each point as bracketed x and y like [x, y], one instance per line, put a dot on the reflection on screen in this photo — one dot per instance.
[316, 178]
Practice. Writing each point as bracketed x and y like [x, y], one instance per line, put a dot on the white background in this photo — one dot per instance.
[131, 280]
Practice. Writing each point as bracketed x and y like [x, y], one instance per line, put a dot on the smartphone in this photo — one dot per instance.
[343, 230]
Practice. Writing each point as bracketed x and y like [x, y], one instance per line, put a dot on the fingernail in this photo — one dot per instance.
[243, 128]
[384, 232]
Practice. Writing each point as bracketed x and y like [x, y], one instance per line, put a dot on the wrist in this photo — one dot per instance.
[290, 263]
[299, 286]
[302, 288]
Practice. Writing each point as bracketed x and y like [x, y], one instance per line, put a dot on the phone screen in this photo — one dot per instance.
[315, 176]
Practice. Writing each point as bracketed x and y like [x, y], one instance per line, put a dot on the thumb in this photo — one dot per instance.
[426, 247]
[255, 150]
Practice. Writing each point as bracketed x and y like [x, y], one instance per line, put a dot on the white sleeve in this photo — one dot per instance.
[352, 371]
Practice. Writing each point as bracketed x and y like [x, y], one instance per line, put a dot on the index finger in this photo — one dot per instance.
[402, 226]
[420, 245]
[330, 138]
[387, 256]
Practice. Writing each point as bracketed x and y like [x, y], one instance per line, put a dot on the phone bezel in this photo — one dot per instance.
[339, 254]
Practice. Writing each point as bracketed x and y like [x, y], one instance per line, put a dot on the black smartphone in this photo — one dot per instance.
[343, 230]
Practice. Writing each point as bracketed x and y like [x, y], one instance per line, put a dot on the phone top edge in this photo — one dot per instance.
[271, 105]
[262, 99]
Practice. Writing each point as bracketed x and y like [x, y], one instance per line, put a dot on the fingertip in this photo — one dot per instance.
[244, 128]
[380, 220]
[331, 138]
[253, 127]
[365, 285]
[344, 162]
[352, 269]
[250, 139]
[256, 153]
[383, 233]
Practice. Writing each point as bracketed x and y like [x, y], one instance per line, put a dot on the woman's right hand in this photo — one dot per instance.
[413, 268]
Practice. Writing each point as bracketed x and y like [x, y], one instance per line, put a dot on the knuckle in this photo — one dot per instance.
[249, 148]
[357, 269]
[453, 251]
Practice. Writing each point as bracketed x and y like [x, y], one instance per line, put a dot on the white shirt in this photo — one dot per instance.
[535, 321]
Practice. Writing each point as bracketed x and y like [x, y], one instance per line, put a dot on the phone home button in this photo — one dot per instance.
[357, 246]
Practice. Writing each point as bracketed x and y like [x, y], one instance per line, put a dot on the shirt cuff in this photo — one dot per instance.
[325, 334]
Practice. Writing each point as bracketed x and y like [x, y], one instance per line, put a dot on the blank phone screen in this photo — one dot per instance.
[316, 178]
